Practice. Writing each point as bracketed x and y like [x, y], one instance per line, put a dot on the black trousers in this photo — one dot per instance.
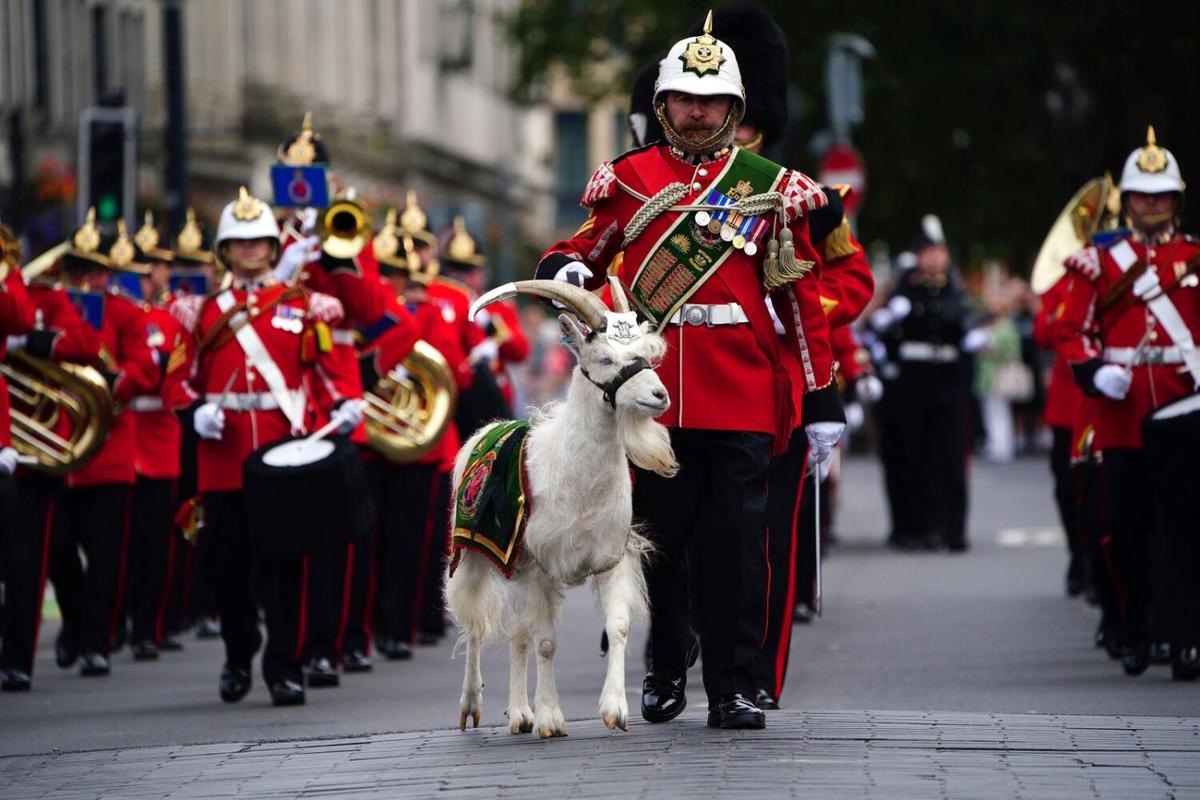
[1065, 488]
[891, 456]
[405, 496]
[435, 548]
[152, 556]
[242, 578]
[790, 575]
[327, 603]
[27, 556]
[1171, 447]
[1129, 491]
[356, 625]
[933, 442]
[714, 510]
[94, 519]
[1090, 515]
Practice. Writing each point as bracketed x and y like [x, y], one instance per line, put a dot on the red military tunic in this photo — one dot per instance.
[292, 339]
[1064, 398]
[123, 351]
[726, 377]
[505, 325]
[1122, 325]
[17, 316]
[158, 429]
[454, 299]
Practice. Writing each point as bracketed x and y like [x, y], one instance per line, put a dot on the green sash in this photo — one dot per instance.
[686, 254]
[491, 502]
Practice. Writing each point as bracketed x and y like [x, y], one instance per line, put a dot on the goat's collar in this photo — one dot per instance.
[610, 388]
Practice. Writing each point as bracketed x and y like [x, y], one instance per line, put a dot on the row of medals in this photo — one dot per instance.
[727, 232]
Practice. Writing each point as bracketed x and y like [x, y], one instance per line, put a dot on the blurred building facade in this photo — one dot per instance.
[407, 94]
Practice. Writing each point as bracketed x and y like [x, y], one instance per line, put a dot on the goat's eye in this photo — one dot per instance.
[604, 361]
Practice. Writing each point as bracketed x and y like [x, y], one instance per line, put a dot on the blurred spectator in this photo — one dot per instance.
[543, 376]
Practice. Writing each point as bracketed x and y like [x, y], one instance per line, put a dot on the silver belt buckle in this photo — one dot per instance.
[1154, 355]
[696, 315]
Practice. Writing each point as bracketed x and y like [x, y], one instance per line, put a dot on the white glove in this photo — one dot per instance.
[308, 220]
[576, 273]
[16, 342]
[399, 374]
[487, 350]
[349, 415]
[822, 438]
[1113, 381]
[483, 318]
[1146, 285]
[854, 416]
[8, 461]
[900, 306]
[869, 389]
[296, 256]
[209, 421]
[975, 340]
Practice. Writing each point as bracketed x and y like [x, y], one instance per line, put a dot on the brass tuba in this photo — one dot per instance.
[60, 413]
[1096, 206]
[406, 416]
[345, 227]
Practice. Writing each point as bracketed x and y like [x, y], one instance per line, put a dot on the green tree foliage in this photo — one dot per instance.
[989, 113]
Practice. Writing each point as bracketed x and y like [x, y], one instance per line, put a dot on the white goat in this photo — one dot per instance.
[577, 461]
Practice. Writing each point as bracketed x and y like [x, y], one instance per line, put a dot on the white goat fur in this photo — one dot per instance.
[577, 457]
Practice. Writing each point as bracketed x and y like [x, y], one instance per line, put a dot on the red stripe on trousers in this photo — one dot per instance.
[302, 629]
[119, 601]
[426, 543]
[785, 635]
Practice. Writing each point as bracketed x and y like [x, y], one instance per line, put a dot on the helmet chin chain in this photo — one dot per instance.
[722, 138]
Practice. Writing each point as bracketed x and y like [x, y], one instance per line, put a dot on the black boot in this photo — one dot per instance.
[356, 661]
[320, 673]
[735, 712]
[287, 693]
[1186, 665]
[144, 650]
[15, 680]
[235, 683]
[93, 665]
[663, 699]
[1135, 658]
[766, 701]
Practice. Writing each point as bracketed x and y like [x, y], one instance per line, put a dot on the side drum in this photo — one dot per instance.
[306, 497]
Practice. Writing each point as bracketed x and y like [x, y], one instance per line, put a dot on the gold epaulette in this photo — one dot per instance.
[839, 243]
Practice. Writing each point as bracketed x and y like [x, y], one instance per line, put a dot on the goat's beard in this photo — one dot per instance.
[648, 445]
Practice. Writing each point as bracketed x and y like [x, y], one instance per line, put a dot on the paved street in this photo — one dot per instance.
[929, 676]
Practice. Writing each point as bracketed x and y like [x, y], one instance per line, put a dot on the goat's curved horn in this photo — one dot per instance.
[620, 301]
[578, 300]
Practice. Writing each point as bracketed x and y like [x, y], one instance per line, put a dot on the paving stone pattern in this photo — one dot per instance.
[811, 755]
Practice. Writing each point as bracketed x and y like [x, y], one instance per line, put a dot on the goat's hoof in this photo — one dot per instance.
[612, 721]
[520, 721]
[462, 720]
[550, 723]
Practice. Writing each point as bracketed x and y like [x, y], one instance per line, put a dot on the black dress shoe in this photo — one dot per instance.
[1076, 580]
[663, 699]
[1186, 665]
[207, 628]
[1135, 658]
[144, 651]
[394, 650]
[287, 693]
[319, 673]
[802, 614]
[66, 650]
[15, 680]
[1161, 653]
[356, 661]
[427, 638]
[235, 683]
[735, 712]
[170, 642]
[93, 664]
[766, 701]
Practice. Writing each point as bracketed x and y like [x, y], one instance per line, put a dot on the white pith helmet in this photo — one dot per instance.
[1151, 169]
[246, 218]
[700, 65]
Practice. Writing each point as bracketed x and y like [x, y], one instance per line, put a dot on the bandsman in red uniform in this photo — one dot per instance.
[266, 368]
[412, 498]
[59, 334]
[1129, 330]
[92, 514]
[153, 544]
[702, 278]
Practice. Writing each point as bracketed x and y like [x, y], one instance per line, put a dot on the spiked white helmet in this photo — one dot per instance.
[1151, 169]
[246, 218]
[700, 65]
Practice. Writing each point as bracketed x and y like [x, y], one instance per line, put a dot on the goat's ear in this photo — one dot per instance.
[572, 333]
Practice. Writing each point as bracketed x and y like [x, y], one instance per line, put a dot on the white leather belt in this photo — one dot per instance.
[252, 401]
[1179, 408]
[146, 402]
[343, 336]
[709, 315]
[1150, 355]
[924, 351]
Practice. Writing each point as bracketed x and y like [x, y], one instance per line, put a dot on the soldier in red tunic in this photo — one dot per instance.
[1128, 331]
[266, 368]
[92, 514]
[707, 232]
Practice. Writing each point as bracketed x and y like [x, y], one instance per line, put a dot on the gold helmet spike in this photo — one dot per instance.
[248, 206]
[87, 238]
[121, 254]
[1152, 158]
[386, 244]
[190, 240]
[413, 220]
[708, 24]
[461, 247]
[302, 152]
[147, 236]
